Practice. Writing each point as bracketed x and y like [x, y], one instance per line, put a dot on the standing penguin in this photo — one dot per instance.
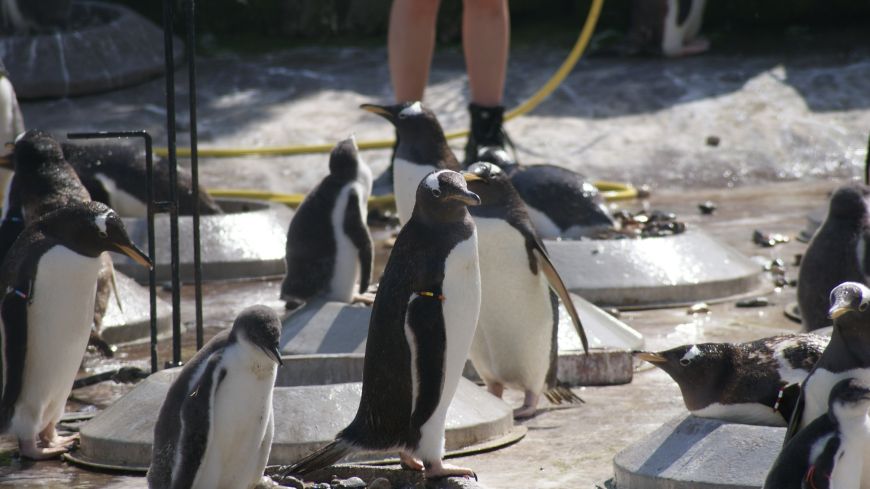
[668, 27]
[516, 340]
[832, 257]
[752, 383]
[560, 203]
[49, 279]
[830, 452]
[422, 325]
[422, 149]
[329, 248]
[215, 426]
[11, 121]
[847, 355]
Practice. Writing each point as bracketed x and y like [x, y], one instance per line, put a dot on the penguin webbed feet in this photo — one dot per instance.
[561, 393]
[440, 470]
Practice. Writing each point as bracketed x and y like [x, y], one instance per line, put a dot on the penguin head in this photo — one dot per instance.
[849, 202]
[849, 300]
[849, 398]
[33, 150]
[495, 155]
[411, 119]
[90, 229]
[491, 183]
[443, 195]
[344, 160]
[695, 368]
[259, 326]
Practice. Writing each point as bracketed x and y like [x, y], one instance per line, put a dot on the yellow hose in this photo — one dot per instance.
[610, 190]
[525, 107]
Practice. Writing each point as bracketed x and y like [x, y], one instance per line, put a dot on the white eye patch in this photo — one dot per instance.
[693, 352]
[431, 181]
[414, 109]
[100, 221]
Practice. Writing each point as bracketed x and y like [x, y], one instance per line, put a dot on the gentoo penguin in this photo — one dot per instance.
[830, 451]
[422, 149]
[329, 248]
[561, 203]
[516, 340]
[215, 427]
[43, 182]
[751, 383]
[847, 355]
[668, 27]
[115, 174]
[832, 256]
[49, 279]
[11, 121]
[421, 328]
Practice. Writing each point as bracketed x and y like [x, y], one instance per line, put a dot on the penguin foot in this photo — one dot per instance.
[440, 470]
[50, 439]
[410, 462]
[697, 45]
[365, 298]
[31, 450]
[529, 407]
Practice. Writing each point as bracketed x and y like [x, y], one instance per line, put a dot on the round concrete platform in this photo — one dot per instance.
[661, 271]
[247, 241]
[80, 61]
[696, 453]
[322, 327]
[306, 418]
[134, 321]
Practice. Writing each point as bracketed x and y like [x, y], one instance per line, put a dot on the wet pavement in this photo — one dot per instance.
[790, 128]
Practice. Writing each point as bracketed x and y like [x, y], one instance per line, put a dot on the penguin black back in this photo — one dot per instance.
[832, 257]
[125, 166]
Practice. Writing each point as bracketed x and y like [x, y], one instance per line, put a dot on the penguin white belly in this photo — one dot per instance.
[123, 203]
[514, 333]
[544, 226]
[241, 417]
[345, 273]
[849, 462]
[58, 325]
[818, 389]
[461, 307]
[10, 123]
[745, 413]
[406, 178]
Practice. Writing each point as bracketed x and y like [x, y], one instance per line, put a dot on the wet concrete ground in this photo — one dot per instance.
[790, 128]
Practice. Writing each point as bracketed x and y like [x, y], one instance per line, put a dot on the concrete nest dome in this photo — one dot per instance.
[103, 47]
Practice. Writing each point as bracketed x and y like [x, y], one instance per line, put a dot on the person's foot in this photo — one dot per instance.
[486, 131]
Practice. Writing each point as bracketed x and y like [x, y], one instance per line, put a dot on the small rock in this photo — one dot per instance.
[352, 483]
[754, 302]
[643, 192]
[699, 308]
[780, 281]
[321, 485]
[798, 258]
[707, 208]
[290, 481]
[767, 240]
[713, 141]
[380, 483]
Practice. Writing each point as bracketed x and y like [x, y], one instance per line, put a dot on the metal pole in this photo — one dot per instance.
[194, 166]
[149, 168]
[169, 56]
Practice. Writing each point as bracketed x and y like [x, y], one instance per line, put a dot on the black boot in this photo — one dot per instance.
[486, 131]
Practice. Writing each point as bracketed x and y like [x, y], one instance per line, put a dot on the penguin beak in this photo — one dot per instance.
[136, 254]
[275, 353]
[467, 197]
[846, 299]
[379, 110]
[650, 357]
[472, 177]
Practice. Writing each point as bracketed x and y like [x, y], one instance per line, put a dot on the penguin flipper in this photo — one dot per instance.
[356, 229]
[325, 457]
[558, 286]
[797, 414]
[14, 314]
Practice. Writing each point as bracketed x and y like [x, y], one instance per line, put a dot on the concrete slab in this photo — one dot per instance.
[80, 61]
[696, 453]
[134, 321]
[247, 241]
[306, 418]
[664, 271]
[322, 327]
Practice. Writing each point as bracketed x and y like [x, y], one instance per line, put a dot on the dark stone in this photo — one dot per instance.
[707, 208]
[754, 302]
[713, 141]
